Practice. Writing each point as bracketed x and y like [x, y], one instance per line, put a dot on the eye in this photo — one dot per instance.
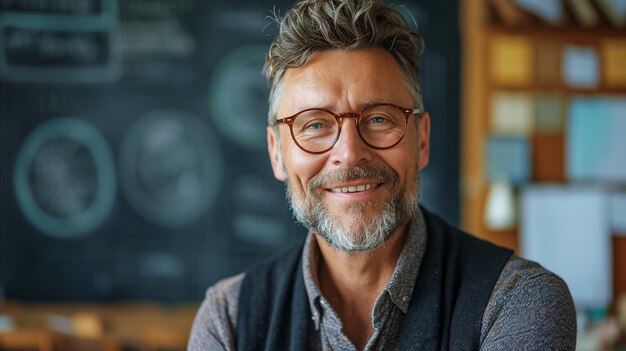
[315, 125]
[377, 119]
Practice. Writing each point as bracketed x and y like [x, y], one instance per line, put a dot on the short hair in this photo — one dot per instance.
[318, 25]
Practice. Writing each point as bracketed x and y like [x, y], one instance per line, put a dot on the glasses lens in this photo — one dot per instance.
[382, 125]
[315, 130]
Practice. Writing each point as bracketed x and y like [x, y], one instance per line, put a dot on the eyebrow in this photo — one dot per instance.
[375, 102]
[361, 106]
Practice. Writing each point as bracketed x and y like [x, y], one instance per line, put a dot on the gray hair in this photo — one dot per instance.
[318, 25]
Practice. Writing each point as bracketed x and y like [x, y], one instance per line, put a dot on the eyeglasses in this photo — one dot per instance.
[380, 126]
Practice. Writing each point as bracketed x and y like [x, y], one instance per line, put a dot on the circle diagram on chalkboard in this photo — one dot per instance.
[170, 167]
[238, 96]
[64, 178]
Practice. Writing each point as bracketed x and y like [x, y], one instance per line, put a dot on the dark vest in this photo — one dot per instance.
[455, 280]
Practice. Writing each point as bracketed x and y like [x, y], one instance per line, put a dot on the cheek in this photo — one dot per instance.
[405, 161]
[408, 175]
[300, 166]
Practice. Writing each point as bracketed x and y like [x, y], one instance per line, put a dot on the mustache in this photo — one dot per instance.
[378, 173]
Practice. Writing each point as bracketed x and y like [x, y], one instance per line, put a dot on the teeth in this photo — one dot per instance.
[353, 189]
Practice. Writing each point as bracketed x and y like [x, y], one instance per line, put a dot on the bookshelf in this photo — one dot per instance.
[535, 66]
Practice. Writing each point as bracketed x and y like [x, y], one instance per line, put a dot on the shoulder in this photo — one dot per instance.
[478, 250]
[215, 323]
[530, 308]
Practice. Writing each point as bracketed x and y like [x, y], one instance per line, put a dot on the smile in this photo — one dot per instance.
[353, 189]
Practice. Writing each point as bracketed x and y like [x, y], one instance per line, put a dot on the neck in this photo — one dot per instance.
[351, 282]
[343, 275]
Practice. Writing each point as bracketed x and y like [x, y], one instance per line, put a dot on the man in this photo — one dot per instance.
[349, 136]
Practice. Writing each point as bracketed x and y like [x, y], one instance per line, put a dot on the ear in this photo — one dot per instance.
[273, 148]
[424, 140]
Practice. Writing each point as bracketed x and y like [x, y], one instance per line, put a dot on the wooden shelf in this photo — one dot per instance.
[124, 325]
[480, 24]
[559, 32]
[506, 13]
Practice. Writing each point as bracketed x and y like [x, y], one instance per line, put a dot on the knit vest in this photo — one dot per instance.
[455, 280]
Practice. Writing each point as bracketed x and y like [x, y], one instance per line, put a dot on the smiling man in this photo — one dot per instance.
[349, 136]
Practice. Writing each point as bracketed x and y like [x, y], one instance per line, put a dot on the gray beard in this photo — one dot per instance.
[366, 233]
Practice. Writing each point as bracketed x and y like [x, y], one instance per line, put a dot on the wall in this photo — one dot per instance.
[132, 138]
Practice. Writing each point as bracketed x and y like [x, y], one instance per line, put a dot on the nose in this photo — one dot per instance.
[350, 150]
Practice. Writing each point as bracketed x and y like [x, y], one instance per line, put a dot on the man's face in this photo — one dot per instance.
[381, 185]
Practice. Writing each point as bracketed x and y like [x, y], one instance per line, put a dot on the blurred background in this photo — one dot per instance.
[134, 172]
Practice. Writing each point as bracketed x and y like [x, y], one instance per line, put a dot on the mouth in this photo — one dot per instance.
[353, 188]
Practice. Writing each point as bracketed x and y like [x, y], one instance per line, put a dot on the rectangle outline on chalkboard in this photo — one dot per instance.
[105, 22]
[107, 8]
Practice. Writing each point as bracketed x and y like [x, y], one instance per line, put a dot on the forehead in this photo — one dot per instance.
[340, 79]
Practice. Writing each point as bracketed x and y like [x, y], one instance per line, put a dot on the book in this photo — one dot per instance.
[595, 140]
[548, 10]
[615, 11]
[613, 58]
[567, 229]
[512, 60]
[509, 13]
[512, 113]
[581, 66]
[584, 12]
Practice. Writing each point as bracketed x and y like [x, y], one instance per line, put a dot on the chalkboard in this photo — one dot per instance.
[132, 144]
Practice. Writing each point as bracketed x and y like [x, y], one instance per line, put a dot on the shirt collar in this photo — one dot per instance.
[402, 282]
[310, 264]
